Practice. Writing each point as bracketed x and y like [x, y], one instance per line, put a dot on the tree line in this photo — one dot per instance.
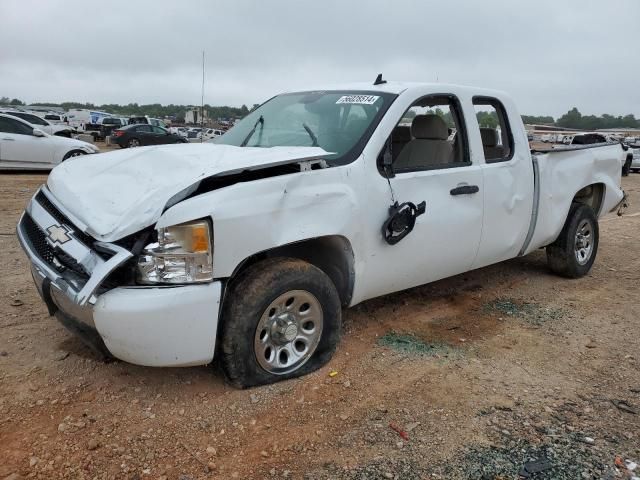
[175, 112]
[572, 119]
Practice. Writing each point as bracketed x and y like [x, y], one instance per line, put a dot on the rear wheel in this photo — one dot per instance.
[282, 319]
[73, 153]
[133, 142]
[573, 253]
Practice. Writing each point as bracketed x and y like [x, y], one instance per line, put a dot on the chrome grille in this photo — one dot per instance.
[38, 240]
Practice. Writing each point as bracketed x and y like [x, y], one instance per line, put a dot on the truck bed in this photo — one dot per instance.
[559, 174]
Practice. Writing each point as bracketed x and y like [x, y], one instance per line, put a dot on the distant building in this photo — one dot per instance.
[196, 115]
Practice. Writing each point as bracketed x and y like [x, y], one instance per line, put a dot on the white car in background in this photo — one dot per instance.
[25, 146]
[210, 133]
[41, 123]
[635, 161]
[182, 131]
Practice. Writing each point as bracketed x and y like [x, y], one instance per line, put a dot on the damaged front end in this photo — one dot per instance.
[68, 266]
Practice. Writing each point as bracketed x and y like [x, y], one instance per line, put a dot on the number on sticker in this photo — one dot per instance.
[358, 99]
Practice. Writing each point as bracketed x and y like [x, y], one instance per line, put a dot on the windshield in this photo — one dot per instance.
[340, 122]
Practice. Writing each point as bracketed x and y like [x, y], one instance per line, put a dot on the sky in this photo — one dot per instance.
[549, 55]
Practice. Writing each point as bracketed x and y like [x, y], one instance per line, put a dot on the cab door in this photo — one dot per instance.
[432, 166]
[508, 178]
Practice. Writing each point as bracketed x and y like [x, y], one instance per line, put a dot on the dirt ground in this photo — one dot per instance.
[503, 371]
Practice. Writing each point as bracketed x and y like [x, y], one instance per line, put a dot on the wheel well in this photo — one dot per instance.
[70, 152]
[331, 254]
[592, 195]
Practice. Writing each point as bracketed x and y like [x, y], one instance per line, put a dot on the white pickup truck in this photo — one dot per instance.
[246, 249]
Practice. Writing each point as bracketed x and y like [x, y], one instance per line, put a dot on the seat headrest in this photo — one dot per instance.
[401, 134]
[429, 127]
[489, 137]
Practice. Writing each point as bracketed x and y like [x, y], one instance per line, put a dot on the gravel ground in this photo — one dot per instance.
[503, 372]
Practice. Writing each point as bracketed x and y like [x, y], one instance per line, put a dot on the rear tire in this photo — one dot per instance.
[282, 319]
[574, 251]
[133, 143]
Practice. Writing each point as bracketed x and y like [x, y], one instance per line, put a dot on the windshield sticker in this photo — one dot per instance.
[358, 99]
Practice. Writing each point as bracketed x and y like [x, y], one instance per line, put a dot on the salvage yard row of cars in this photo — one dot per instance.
[246, 249]
[28, 141]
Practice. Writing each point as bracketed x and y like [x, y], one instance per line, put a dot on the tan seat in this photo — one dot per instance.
[492, 151]
[429, 146]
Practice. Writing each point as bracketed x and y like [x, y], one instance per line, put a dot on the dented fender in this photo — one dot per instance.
[276, 211]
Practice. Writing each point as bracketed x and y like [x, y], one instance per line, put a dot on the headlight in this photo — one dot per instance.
[183, 254]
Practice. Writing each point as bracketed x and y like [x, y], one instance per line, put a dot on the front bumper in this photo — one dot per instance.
[152, 326]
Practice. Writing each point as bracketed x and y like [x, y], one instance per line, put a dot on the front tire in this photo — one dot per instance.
[626, 168]
[282, 319]
[574, 251]
[73, 153]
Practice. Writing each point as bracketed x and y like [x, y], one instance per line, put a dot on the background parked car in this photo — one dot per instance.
[54, 118]
[156, 122]
[41, 123]
[194, 132]
[182, 131]
[137, 135]
[24, 146]
[109, 124]
[210, 133]
[635, 161]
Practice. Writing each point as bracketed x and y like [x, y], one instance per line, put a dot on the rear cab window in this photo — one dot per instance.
[495, 130]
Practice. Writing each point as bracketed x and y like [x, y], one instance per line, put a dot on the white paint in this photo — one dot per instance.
[120, 192]
[456, 233]
[29, 151]
[171, 326]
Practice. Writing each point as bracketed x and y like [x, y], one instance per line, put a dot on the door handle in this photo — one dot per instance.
[9, 139]
[465, 190]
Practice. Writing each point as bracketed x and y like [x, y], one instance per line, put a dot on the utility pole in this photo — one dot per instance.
[202, 103]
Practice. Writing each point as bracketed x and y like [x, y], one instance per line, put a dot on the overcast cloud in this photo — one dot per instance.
[550, 55]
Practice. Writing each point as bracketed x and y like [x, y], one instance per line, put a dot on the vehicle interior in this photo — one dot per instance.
[427, 136]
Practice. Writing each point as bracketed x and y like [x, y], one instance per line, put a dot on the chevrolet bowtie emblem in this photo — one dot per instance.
[58, 234]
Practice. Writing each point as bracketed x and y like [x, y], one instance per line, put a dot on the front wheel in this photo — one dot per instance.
[626, 168]
[73, 153]
[282, 319]
[574, 251]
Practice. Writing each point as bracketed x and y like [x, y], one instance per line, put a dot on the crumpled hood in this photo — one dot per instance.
[119, 193]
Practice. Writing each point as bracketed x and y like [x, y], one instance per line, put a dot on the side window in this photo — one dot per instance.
[143, 129]
[430, 135]
[495, 131]
[159, 130]
[8, 125]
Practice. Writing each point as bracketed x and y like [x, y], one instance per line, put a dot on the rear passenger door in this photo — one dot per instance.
[434, 166]
[508, 180]
[145, 134]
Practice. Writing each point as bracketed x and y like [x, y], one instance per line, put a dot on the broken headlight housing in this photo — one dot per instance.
[182, 254]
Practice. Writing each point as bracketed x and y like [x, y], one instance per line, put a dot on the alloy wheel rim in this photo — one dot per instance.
[288, 332]
[583, 242]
